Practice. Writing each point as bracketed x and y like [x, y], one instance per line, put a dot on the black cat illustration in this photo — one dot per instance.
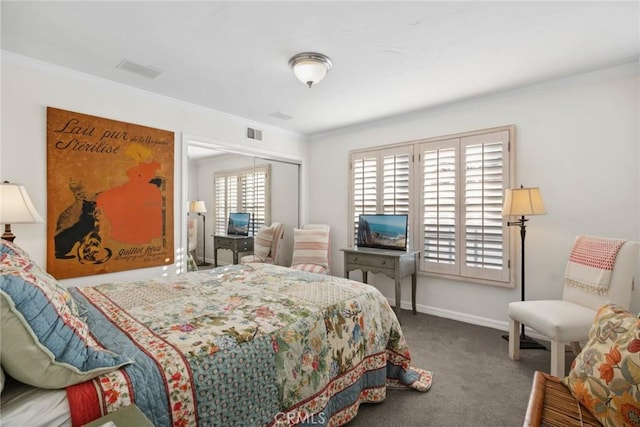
[84, 233]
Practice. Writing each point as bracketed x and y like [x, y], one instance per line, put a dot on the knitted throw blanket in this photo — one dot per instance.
[591, 263]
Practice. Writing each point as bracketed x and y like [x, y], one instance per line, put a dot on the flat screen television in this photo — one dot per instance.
[383, 231]
[239, 223]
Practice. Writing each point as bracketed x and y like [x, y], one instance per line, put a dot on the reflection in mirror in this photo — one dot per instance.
[284, 202]
[280, 203]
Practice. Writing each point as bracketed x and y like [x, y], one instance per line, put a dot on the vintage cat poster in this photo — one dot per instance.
[109, 195]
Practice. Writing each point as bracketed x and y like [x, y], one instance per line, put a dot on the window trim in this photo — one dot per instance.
[416, 200]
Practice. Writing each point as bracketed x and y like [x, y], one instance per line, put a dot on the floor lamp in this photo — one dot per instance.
[15, 208]
[198, 206]
[523, 202]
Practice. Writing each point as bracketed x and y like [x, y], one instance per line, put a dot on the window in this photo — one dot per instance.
[452, 188]
[384, 189]
[242, 190]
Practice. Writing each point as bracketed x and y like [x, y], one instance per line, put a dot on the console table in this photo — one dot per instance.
[235, 244]
[391, 263]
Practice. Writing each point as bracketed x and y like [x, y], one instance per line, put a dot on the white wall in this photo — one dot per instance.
[577, 139]
[28, 87]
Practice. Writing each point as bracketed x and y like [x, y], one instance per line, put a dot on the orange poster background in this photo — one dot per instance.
[109, 195]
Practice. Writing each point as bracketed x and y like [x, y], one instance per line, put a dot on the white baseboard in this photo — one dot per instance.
[455, 315]
[465, 317]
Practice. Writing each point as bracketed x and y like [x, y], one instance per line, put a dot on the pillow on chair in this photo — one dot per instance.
[310, 247]
[604, 377]
[262, 242]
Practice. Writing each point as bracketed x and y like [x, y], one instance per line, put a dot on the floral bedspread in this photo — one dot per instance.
[245, 345]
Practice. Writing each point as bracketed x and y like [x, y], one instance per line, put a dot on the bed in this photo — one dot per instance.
[244, 345]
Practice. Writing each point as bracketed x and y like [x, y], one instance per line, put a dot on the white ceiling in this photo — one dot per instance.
[389, 58]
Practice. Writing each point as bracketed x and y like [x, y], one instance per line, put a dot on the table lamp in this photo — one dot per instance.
[16, 208]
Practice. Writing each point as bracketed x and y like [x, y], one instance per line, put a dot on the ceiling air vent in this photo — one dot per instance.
[254, 134]
[142, 70]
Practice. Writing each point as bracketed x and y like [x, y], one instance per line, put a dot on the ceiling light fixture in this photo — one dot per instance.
[310, 67]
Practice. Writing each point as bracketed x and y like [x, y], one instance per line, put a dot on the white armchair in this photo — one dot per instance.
[568, 321]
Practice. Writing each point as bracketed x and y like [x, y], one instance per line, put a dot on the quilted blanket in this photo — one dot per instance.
[244, 345]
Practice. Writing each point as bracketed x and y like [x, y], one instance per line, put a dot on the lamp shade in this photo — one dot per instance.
[523, 202]
[16, 206]
[310, 67]
[198, 206]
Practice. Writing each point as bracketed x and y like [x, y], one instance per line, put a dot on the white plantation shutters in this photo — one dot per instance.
[396, 184]
[483, 235]
[254, 198]
[463, 181]
[381, 183]
[396, 180]
[439, 205]
[226, 198]
[364, 180]
[453, 194]
[244, 190]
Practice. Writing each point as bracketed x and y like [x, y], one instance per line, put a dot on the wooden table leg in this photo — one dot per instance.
[215, 257]
[398, 297]
[414, 281]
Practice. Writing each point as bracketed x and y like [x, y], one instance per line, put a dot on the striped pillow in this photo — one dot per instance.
[262, 242]
[310, 268]
[311, 247]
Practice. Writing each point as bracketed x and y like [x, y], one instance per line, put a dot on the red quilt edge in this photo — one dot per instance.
[83, 403]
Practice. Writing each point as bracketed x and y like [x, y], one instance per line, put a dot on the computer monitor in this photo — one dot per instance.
[383, 231]
[239, 223]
